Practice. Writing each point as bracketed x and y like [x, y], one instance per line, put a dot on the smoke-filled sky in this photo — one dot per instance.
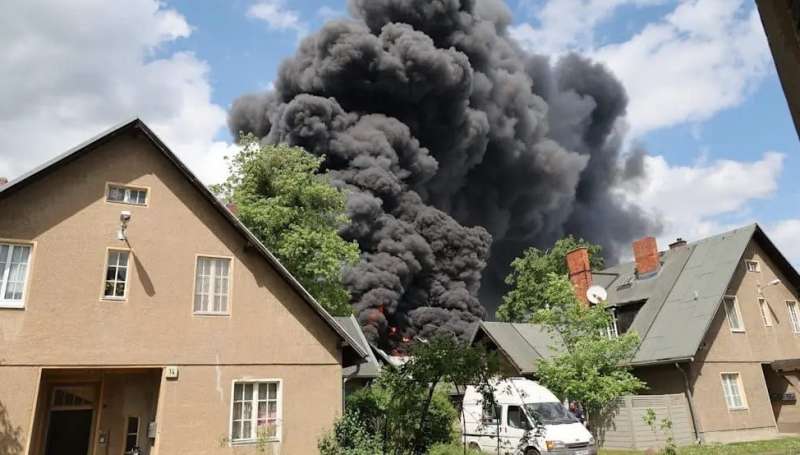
[703, 99]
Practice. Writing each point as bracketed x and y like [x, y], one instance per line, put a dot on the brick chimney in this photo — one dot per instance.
[645, 251]
[232, 208]
[580, 272]
[3, 182]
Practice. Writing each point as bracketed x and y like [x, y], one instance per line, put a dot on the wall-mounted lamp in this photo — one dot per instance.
[124, 219]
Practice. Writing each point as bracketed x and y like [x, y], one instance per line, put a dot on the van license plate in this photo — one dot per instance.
[581, 452]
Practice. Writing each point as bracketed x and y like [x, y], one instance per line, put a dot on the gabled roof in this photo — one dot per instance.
[136, 124]
[680, 301]
[367, 369]
[685, 295]
[523, 345]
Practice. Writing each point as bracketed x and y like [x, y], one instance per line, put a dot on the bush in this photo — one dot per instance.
[349, 437]
[451, 449]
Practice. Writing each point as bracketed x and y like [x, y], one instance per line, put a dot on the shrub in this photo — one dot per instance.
[349, 437]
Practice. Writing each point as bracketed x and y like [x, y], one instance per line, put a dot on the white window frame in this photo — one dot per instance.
[254, 412]
[794, 315]
[128, 188]
[739, 390]
[124, 297]
[212, 286]
[766, 316]
[612, 330]
[127, 434]
[14, 303]
[737, 311]
[756, 266]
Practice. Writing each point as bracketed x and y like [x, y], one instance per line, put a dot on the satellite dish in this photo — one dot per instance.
[596, 294]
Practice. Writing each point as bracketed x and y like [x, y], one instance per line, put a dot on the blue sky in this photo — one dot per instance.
[706, 102]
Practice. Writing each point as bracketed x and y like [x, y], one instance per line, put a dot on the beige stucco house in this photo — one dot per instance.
[718, 320]
[178, 333]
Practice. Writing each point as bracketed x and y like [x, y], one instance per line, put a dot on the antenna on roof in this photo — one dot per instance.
[596, 294]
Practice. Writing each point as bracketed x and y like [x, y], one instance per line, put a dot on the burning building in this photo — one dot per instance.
[457, 149]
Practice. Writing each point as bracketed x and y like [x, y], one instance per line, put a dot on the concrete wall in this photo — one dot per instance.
[66, 323]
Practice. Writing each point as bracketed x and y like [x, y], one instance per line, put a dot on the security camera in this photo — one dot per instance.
[125, 216]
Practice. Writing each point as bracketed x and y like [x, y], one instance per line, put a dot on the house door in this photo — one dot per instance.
[69, 432]
[69, 428]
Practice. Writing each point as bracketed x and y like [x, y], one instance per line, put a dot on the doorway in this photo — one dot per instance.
[69, 428]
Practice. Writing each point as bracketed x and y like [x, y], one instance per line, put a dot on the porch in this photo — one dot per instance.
[96, 411]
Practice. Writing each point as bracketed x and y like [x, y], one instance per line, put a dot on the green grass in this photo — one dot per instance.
[771, 447]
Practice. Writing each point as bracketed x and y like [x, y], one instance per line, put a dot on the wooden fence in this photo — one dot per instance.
[625, 426]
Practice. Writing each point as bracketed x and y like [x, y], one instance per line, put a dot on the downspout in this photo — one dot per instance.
[695, 423]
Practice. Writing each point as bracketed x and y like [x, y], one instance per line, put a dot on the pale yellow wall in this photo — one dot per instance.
[65, 322]
[196, 408]
[19, 388]
[744, 352]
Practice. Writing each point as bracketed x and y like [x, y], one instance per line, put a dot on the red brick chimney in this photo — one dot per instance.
[3, 182]
[645, 251]
[580, 272]
[232, 208]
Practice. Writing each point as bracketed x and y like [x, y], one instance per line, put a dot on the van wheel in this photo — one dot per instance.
[531, 451]
[474, 446]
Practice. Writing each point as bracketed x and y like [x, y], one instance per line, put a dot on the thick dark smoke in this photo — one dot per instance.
[435, 120]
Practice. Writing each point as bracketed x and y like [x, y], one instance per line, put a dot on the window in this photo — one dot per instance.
[256, 411]
[732, 388]
[116, 282]
[491, 414]
[14, 261]
[753, 266]
[211, 285]
[127, 195]
[132, 434]
[766, 317]
[734, 315]
[794, 315]
[516, 418]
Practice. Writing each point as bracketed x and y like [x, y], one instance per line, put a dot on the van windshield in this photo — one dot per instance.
[550, 413]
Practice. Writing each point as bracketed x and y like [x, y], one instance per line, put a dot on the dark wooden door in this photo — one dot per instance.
[69, 432]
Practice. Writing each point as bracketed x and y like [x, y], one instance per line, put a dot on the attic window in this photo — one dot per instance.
[753, 266]
[126, 195]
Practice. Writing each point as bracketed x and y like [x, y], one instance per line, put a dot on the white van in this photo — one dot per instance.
[520, 403]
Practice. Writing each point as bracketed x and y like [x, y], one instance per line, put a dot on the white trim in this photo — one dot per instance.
[124, 297]
[127, 189]
[764, 309]
[254, 411]
[794, 315]
[138, 432]
[12, 244]
[738, 313]
[739, 390]
[229, 296]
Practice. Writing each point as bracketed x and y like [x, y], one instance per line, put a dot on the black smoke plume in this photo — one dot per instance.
[447, 135]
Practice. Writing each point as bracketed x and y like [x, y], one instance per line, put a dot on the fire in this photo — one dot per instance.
[392, 331]
[406, 339]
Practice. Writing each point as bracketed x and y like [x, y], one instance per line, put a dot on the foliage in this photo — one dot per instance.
[590, 365]
[349, 437]
[294, 210]
[452, 449]
[528, 277]
[649, 418]
[769, 447]
[407, 407]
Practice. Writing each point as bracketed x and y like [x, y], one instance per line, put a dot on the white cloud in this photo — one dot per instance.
[327, 13]
[785, 235]
[693, 200]
[71, 70]
[702, 57]
[278, 17]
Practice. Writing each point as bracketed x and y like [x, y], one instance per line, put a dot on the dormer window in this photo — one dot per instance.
[121, 194]
[753, 266]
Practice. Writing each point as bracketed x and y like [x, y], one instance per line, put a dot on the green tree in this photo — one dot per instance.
[408, 409]
[591, 366]
[281, 196]
[528, 277]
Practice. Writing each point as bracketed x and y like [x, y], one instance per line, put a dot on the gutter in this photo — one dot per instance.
[695, 423]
